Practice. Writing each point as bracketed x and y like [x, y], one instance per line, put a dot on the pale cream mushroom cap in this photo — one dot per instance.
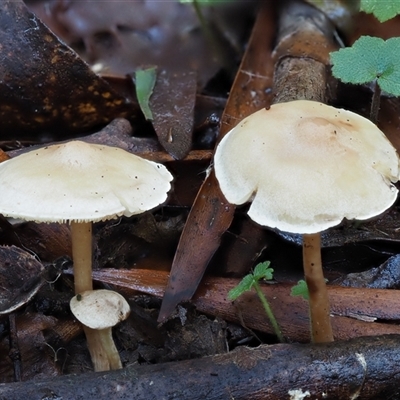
[99, 309]
[306, 166]
[77, 181]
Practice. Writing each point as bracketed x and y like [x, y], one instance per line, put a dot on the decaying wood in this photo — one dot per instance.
[118, 134]
[211, 214]
[47, 241]
[305, 39]
[163, 157]
[339, 370]
[34, 359]
[355, 311]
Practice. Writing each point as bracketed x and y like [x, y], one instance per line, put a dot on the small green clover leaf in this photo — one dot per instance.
[244, 285]
[370, 59]
[145, 80]
[383, 10]
[300, 289]
[261, 271]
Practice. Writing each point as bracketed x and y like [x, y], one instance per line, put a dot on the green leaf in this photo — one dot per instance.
[389, 81]
[145, 81]
[262, 271]
[244, 285]
[370, 58]
[383, 10]
[300, 289]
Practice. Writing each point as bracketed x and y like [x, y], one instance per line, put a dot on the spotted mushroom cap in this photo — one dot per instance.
[77, 181]
[306, 166]
[99, 309]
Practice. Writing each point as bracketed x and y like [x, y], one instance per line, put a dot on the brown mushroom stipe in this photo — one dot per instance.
[99, 311]
[81, 235]
[306, 166]
[81, 183]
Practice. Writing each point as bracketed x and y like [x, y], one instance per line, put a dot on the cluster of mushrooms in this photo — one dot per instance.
[82, 183]
[305, 166]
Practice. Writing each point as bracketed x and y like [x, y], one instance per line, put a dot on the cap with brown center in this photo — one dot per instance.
[306, 166]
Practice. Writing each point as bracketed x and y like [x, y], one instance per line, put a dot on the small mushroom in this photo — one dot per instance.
[306, 166]
[101, 310]
[81, 183]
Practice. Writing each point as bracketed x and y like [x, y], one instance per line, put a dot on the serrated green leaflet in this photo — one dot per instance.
[383, 10]
[261, 271]
[245, 284]
[145, 80]
[368, 59]
[300, 289]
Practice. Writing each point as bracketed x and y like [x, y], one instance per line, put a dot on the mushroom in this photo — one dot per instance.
[100, 310]
[306, 166]
[81, 183]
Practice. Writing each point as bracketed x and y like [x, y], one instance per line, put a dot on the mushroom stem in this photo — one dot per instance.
[100, 342]
[321, 329]
[102, 349]
[81, 236]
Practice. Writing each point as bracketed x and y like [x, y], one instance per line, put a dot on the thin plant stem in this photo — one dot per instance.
[375, 102]
[270, 314]
[218, 48]
[200, 15]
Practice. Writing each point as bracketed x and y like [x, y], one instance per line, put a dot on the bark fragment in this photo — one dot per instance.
[304, 41]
